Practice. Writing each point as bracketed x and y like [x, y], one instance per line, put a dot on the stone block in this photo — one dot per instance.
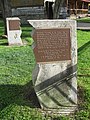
[55, 74]
[14, 31]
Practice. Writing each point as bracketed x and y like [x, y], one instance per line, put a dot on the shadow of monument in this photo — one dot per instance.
[3, 41]
[83, 47]
[18, 94]
[4, 44]
[26, 96]
[61, 83]
[83, 98]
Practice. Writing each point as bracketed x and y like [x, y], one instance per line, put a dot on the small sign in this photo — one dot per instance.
[14, 25]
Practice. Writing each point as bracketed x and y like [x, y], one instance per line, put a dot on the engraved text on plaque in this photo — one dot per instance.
[52, 45]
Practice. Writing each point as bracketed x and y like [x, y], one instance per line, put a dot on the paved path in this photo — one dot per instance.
[83, 26]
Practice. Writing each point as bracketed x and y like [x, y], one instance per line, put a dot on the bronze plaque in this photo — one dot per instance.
[52, 45]
[14, 25]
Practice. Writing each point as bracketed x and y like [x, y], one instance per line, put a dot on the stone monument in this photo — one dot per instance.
[54, 77]
[14, 31]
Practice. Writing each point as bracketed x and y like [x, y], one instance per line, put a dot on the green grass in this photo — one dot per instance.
[83, 51]
[18, 100]
[3, 41]
[85, 20]
[26, 30]
[84, 75]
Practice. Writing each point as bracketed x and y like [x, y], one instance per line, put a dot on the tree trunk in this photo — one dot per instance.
[57, 8]
[6, 12]
[49, 10]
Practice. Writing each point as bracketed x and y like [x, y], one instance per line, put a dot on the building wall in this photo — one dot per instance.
[26, 3]
[77, 5]
[28, 13]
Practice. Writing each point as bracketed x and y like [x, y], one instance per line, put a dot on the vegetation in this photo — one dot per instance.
[83, 76]
[85, 20]
[18, 100]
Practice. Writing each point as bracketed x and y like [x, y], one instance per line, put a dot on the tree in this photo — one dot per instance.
[57, 8]
[49, 9]
[6, 11]
[53, 8]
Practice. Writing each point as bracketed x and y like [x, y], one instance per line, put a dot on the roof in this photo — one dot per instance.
[85, 0]
[49, 0]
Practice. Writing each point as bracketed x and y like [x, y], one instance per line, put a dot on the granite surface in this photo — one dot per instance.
[55, 83]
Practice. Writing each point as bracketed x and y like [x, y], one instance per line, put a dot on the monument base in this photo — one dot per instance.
[16, 44]
[62, 110]
[56, 87]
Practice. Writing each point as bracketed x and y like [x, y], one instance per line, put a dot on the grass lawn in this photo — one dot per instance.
[85, 20]
[17, 97]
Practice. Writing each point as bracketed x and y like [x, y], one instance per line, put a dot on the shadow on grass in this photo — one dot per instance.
[84, 47]
[18, 94]
[26, 32]
[83, 98]
[25, 95]
[3, 42]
